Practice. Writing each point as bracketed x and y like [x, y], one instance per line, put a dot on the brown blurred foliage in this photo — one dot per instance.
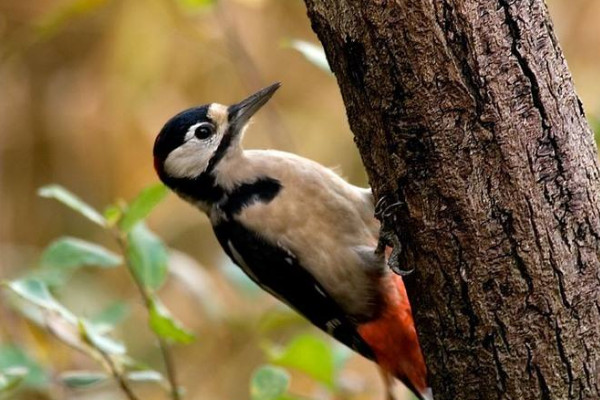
[85, 85]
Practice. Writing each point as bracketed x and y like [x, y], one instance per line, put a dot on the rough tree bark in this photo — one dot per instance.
[465, 110]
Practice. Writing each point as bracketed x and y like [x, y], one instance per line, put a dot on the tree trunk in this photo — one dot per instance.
[465, 111]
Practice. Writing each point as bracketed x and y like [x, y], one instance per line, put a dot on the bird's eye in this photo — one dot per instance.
[204, 131]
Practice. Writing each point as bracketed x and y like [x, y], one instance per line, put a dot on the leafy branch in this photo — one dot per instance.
[145, 258]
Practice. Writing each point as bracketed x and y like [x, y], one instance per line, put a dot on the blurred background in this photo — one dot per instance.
[85, 85]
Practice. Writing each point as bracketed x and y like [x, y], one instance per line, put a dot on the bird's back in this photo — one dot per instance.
[326, 222]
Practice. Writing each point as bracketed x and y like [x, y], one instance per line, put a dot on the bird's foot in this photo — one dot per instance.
[384, 212]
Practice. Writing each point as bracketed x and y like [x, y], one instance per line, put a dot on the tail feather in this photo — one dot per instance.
[427, 394]
[393, 338]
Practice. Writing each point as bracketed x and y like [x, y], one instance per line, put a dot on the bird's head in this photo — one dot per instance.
[195, 140]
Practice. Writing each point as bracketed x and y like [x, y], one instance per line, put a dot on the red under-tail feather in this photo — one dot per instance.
[394, 341]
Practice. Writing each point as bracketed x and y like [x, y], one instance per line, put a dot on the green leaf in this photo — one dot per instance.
[110, 316]
[10, 378]
[94, 337]
[70, 252]
[312, 52]
[310, 355]
[14, 357]
[269, 383]
[64, 255]
[145, 376]
[165, 326]
[148, 256]
[36, 292]
[83, 379]
[70, 200]
[141, 206]
[112, 215]
[133, 365]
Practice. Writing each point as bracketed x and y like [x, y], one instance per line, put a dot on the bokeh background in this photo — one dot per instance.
[85, 85]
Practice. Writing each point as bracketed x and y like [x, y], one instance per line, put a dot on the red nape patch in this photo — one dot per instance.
[394, 341]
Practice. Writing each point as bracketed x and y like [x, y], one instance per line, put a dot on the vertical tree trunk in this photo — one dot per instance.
[466, 112]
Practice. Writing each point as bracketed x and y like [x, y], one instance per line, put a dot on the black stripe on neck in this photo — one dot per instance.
[221, 151]
[262, 190]
[202, 188]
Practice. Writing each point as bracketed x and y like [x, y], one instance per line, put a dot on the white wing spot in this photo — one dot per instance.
[289, 260]
[238, 258]
[332, 324]
[282, 247]
[321, 292]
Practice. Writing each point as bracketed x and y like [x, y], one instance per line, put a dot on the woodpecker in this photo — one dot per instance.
[297, 229]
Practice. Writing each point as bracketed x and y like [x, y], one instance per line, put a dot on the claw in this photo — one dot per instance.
[383, 209]
[394, 261]
[388, 211]
[387, 234]
[386, 238]
[379, 206]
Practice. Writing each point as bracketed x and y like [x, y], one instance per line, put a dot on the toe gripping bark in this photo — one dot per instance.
[386, 212]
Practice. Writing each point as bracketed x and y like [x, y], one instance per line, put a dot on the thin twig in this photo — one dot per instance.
[164, 346]
[97, 354]
[170, 367]
[120, 378]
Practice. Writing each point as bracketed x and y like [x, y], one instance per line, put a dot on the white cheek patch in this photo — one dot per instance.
[190, 159]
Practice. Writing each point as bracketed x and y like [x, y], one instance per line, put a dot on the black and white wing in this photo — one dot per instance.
[278, 271]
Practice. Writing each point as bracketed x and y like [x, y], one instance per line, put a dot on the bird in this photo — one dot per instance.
[298, 230]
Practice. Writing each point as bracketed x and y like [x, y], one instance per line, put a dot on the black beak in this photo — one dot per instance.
[240, 113]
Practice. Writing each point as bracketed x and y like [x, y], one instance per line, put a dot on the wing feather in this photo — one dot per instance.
[278, 271]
